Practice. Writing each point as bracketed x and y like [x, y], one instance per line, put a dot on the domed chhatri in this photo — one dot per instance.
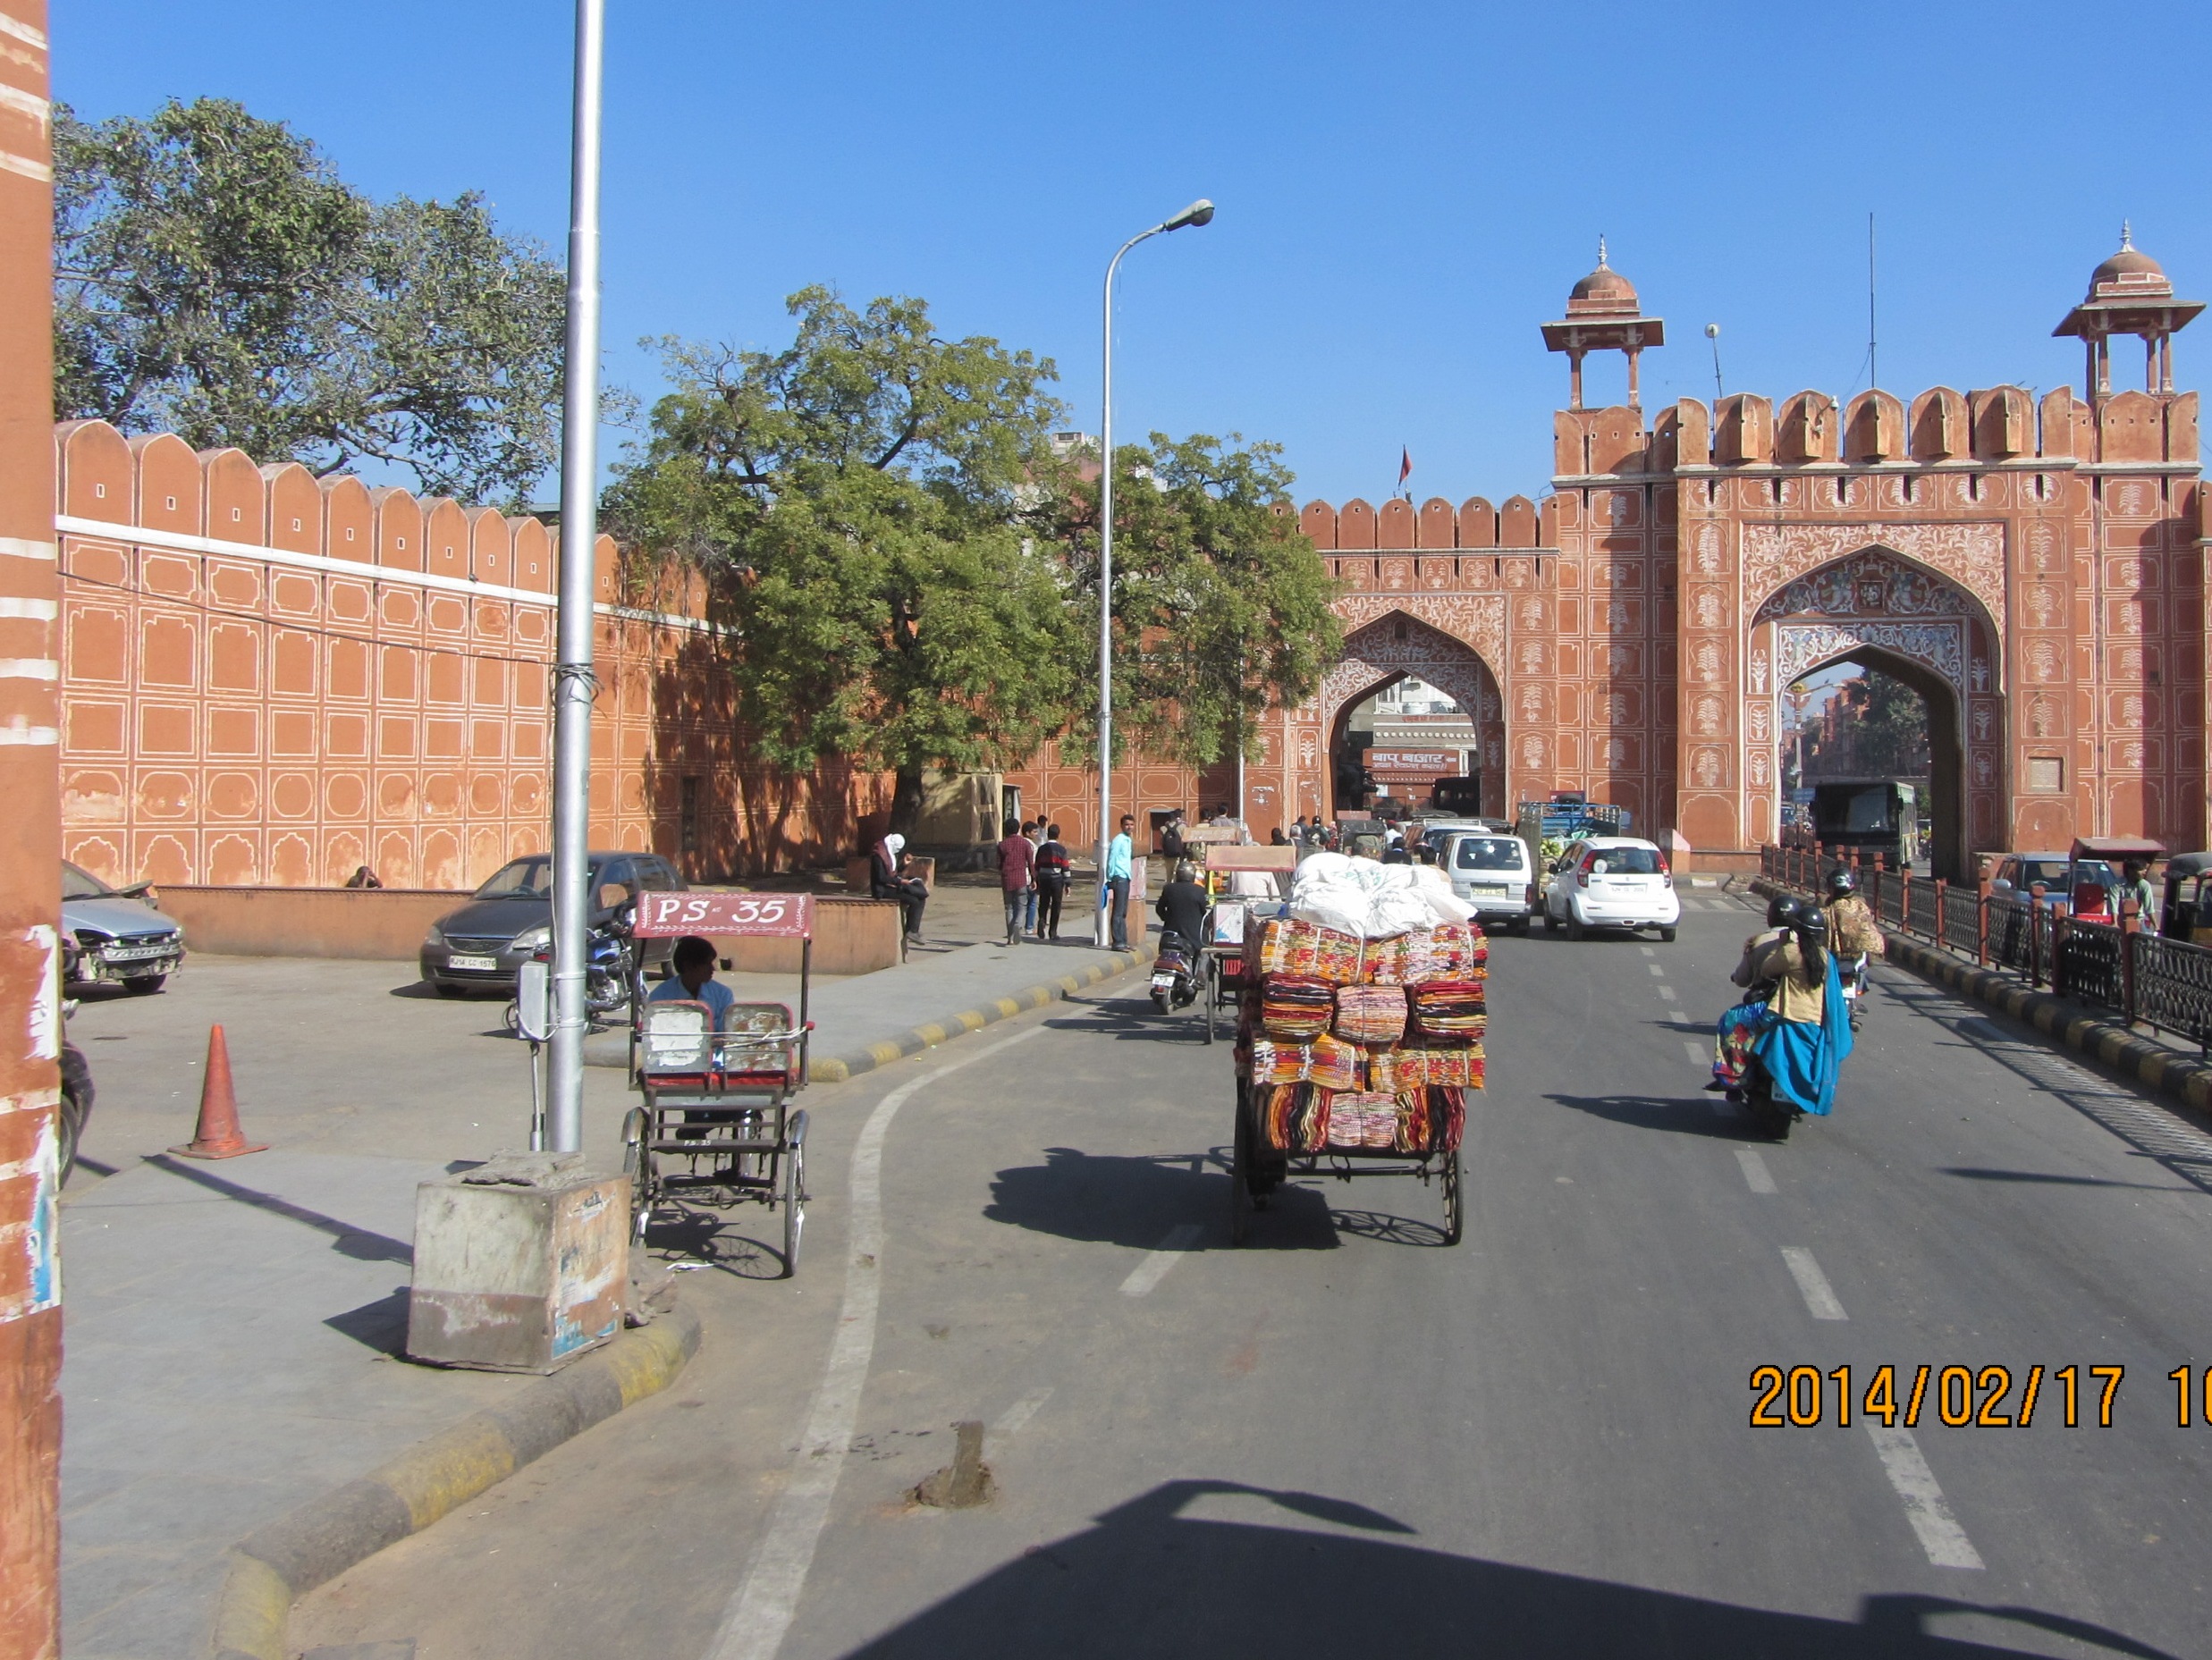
[2130, 274]
[2130, 294]
[1603, 314]
[1605, 292]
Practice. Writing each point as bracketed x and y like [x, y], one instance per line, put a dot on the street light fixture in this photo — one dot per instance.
[1200, 212]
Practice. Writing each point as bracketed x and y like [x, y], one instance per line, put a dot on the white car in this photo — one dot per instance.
[1492, 872]
[1612, 881]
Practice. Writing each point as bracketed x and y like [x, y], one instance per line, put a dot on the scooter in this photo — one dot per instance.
[1174, 978]
[1774, 1116]
[1853, 973]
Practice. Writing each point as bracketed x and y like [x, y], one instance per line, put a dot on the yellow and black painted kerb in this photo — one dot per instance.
[2174, 1076]
[281, 1562]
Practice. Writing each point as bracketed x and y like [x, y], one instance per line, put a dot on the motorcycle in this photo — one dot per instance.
[1774, 1116]
[1853, 973]
[610, 973]
[1174, 976]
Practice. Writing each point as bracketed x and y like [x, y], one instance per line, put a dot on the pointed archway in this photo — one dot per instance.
[1879, 609]
[1397, 647]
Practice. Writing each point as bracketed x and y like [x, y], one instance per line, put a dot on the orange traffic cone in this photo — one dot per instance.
[218, 1135]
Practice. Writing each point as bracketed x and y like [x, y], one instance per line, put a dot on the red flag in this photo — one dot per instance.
[1404, 465]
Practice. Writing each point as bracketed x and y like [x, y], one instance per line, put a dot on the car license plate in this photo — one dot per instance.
[138, 953]
[1491, 888]
[472, 962]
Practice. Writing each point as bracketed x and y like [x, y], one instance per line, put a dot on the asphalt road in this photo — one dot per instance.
[1346, 1438]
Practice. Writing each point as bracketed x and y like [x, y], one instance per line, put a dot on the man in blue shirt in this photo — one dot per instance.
[1117, 853]
[693, 981]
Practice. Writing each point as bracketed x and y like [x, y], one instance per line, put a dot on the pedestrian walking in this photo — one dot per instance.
[1018, 857]
[1033, 830]
[1053, 868]
[1117, 882]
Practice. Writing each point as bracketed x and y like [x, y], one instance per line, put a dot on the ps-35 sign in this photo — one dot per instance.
[779, 916]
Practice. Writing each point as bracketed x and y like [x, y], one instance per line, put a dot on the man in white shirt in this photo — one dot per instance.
[693, 981]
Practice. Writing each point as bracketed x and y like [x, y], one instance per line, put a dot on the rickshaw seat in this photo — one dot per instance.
[2090, 900]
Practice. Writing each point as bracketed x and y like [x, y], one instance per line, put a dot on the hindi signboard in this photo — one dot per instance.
[770, 915]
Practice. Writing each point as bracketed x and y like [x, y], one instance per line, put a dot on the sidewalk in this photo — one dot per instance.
[232, 1328]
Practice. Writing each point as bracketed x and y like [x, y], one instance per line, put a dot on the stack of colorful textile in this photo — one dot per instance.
[1448, 1010]
[1295, 1006]
[1362, 1045]
[1292, 1116]
[1370, 1014]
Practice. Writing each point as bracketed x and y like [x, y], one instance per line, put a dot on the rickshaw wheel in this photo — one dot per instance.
[637, 1165]
[794, 1193]
[1455, 1199]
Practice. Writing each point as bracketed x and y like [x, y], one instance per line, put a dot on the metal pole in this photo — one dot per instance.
[1200, 212]
[573, 683]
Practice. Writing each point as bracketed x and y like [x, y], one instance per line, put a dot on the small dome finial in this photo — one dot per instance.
[2126, 238]
[1601, 251]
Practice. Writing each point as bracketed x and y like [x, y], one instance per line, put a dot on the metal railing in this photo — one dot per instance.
[2137, 973]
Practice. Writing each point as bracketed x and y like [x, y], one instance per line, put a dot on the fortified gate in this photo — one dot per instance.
[2033, 569]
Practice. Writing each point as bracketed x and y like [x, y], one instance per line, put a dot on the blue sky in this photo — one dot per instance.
[1406, 191]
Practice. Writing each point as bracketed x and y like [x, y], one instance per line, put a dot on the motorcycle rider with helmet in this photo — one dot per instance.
[1793, 1024]
[1853, 934]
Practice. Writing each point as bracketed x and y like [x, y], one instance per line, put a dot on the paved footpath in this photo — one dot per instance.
[232, 1328]
[1349, 1439]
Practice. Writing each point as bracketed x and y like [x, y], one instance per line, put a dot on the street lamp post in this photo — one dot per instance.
[1200, 212]
[579, 537]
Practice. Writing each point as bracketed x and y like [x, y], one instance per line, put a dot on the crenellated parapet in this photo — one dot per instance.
[1997, 427]
[1435, 525]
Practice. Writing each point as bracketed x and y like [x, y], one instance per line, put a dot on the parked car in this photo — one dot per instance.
[1492, 872]
[1612, 881]
[2059, 873]
[119, 937]
[482, 946]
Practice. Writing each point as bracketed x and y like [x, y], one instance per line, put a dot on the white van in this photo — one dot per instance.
[1491, 871]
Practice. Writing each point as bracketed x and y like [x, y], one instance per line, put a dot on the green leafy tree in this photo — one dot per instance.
[214, 277]
[867, 504]
[1221, 606]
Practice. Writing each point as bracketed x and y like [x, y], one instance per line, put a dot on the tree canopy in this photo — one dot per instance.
[858, 502]
[1221, 606]
[214, 277]
[908, 573]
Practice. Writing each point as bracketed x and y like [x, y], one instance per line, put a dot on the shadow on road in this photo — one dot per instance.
[1135, 1201]
[1127, 1017]
[1146, 1580]
[1690, 1115]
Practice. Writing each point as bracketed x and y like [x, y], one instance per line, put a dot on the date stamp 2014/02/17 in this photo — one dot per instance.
[1982, 1397]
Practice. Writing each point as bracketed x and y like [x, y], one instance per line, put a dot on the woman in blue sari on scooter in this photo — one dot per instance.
[1795, 1021]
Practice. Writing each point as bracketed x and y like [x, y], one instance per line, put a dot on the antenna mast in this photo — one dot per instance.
[1873, 378]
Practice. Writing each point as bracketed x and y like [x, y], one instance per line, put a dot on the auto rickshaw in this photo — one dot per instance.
[2186, 910]
[2092, 900]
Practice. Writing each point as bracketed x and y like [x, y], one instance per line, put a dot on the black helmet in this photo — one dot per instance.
[1782, 911]
[1811, 924]
[1842, 882]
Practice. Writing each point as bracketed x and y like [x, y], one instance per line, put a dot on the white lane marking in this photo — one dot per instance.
[1154, 1267]
[1941, 1537]
[1009, 1423]
[1646, 950]
[1657, 968]
[757, 1615]
[1760, 1180]
[1819, 1297]
[1667, 992]
[1700, 1056]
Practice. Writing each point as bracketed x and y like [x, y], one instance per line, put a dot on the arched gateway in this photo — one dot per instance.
[2032, 566]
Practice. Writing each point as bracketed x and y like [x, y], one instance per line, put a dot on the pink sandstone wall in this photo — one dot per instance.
[273, 679]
